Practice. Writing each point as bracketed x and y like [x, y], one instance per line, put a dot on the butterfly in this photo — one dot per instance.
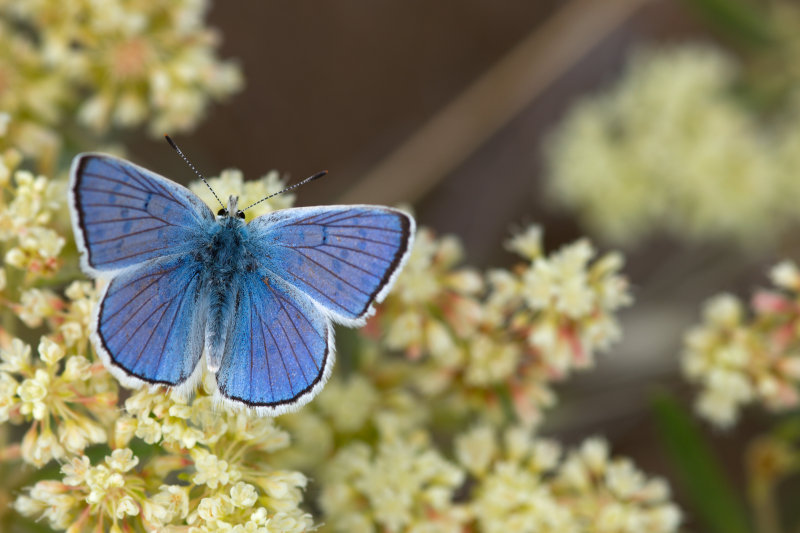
[253, 303]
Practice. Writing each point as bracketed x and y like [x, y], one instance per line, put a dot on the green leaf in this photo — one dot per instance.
[739, 19]
[701, 476]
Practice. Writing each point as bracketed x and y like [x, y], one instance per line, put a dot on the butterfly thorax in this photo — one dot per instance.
[224, 259]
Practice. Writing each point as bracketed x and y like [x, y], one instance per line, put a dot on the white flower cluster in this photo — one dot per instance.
[117, 63]
[737, 360]
[28, 204]
[669, 148]
[518, 483]
[520, 328]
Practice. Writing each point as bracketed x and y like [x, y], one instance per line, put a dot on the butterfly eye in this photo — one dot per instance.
[222, 212]
[240, 214]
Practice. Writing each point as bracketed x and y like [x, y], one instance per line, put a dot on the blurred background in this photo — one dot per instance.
[462, 110]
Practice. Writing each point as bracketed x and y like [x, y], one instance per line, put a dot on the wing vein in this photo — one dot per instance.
[332, 273]
[172, 324]
[355, 250]
[115, 180]
[275, 343]
[330, 218]
[160, 275]
[294, 353]
[296, 330]
[359, 238]
[112, 192]
[356, 226]
[131, 234]
[364, 270]
[118, 259]
[266, 351]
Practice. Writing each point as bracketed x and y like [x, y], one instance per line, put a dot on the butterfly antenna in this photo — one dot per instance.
[287, 189]
[175, 146]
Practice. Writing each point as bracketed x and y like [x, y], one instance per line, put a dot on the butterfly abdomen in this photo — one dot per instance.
[224, 259]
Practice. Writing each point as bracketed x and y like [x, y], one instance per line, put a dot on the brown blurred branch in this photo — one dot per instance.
[491, 101]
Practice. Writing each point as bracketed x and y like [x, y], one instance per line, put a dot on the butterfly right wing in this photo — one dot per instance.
[149, 324]
[280, 348]
[124, 215]
[344, 257]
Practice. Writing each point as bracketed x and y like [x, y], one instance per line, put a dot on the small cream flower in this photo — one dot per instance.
[126, 506]
[39, 448]
[786, 275]
[32, 392]
[148, 430]
[16, 358]
[213, 509]
[77, 368]
[36, 305]
[170, 502]
[211, 470]
[50, 352]
[243, 495]
[476, 448]
[76, 470]
[8, 395]
[122, 460]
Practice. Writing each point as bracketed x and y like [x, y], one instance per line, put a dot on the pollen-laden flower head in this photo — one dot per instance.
[518, 329]
[28, 205]
[67, 399]
[226, 460]
[211, 470]
[523, 480]
[120, 64]
[171, 502]
[228, 482]
[431, 279]
[31, 91]
[739, 359]
[401, 485]
[109, 489]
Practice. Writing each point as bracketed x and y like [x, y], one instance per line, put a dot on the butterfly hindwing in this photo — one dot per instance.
[343, 257]
[280, 348]
[124, 215]
[150, 322]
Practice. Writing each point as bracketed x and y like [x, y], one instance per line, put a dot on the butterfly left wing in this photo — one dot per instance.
[279, 352]
[124, 215]
[149, 323]
[345, 258]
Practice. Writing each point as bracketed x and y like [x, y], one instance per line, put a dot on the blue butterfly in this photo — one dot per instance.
[255, 302]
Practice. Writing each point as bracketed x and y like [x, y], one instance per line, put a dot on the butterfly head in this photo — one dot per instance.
[232, 211]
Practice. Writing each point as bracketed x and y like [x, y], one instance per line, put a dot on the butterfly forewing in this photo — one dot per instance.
[125, 215]
[343, 257]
